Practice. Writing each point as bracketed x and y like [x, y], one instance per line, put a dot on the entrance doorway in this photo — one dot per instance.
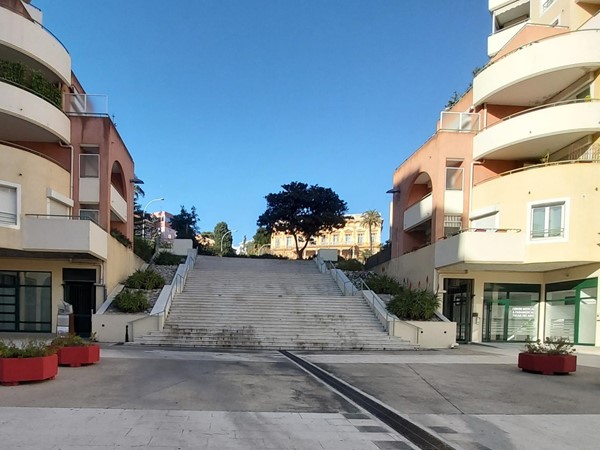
[80, 291]
[458, 304]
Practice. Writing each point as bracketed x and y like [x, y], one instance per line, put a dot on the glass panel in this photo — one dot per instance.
[560, 319]
[10, 326]
[522, 322]
[35, 305]
[555, 227]
[4, 308]
[88, 167]
[89, 214]
[7, 291]
[36, 278]
[561, 295]
[496, 324]
[8, 278]
[454, 178]
[587, 321]
[538, 222]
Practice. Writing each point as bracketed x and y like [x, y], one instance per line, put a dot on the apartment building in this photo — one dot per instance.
[499, 210]
[351, 242]
[66, 183]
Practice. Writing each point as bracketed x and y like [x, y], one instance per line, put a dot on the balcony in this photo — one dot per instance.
[537, 132]
[500, 38]
[419, 212]
[64, 234]
[481, 246]
[534, 73]
[457, 121]
[30, 43]
[25, 116]
[85, 104]
[118, 206]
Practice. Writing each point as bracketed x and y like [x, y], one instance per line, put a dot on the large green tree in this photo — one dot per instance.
[303, 212]
[223, 238]
[371, 219]
[261, 239]
[186, 224]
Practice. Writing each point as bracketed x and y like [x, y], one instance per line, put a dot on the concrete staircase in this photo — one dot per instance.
[268, 304]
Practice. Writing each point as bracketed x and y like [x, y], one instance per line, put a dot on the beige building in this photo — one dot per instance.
[66, 183]
[352, 241]
[498, 212]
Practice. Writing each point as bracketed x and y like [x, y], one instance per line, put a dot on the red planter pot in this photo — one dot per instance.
[15, 370]
[547, 364]
[78, 356]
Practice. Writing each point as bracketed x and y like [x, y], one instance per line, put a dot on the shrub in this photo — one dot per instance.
[121, 238]
[29, 349]
[350, 264]
[143, 248]
[131, 301]
[69, 340]
[145, 279]
[414, 304]
[383, 284]
[167, 259]
[550, 346]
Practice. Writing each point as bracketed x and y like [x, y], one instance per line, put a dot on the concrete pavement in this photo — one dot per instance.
[473, 397]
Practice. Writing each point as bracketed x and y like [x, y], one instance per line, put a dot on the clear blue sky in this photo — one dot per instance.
[221, 102]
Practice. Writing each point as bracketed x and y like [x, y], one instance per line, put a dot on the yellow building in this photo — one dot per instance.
[498, 212]
[352, 241]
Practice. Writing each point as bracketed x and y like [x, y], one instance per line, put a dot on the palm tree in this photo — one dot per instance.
[371, 219]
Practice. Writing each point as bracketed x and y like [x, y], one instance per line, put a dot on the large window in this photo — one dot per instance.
[510, 311]
[89, 165]
[9, 196]
[548, 220]
[25, 301]
[571, 310]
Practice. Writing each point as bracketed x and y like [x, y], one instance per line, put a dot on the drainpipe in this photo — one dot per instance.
[71, 174]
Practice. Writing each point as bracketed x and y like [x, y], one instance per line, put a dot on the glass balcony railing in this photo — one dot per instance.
[86, 104]
[458, 121]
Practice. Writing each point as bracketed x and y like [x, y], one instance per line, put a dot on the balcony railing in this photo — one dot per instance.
[459, 121]
[419, 212]
[86, 104]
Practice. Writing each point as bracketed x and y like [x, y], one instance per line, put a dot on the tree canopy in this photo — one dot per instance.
[303, 212]
[223, 238]
[186, 224]
[371, 219]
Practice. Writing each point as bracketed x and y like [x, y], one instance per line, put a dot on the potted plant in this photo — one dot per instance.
[75, 351]
[554, 355]
[31, 361]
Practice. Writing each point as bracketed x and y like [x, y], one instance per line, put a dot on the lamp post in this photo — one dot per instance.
[223, 237]
[144, 215]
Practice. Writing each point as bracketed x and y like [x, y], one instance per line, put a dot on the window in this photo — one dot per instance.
[9, 203]
[288, 241]
[324, 240]
[348, 239]
[89, 166]
[276, 243]
[89, 214]
[454, 175]
[360, 238]
[25, 301]
[452, 224]
[548, 220]
[334, 239]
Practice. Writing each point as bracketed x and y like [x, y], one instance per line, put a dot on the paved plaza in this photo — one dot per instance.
[473, 397]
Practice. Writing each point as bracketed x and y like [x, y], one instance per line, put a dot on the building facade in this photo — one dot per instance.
[498, 211]
[66, 183]
[351, 242]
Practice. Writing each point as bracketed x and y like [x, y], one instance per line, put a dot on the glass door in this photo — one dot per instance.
[458, 304]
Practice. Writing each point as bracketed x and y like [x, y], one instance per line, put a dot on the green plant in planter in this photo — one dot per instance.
[131, 301]
[29, 349]
[145, 279]
[550, 346]
[414, 304]
[383, 284]
[69, 340]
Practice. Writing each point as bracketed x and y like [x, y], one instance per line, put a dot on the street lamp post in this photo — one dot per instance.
[144, 215]
[261, 247]
[223, 237]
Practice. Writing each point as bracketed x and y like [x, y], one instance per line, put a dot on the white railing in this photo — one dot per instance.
[86, 104]
[156, 320]
[459, 121]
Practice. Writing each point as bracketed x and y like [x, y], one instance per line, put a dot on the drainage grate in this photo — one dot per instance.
[415, 434]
